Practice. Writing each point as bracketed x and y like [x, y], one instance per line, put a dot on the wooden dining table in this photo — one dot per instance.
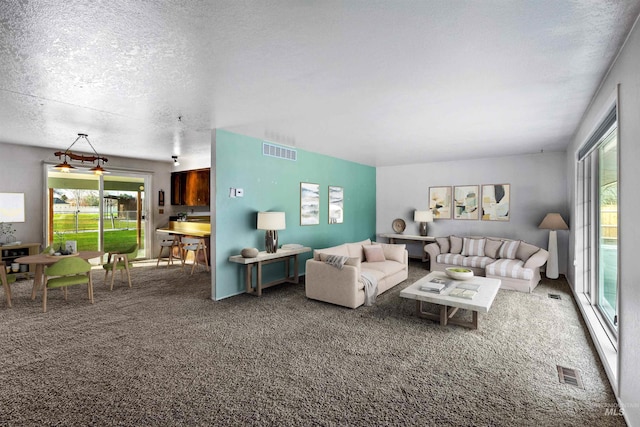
[42, 260]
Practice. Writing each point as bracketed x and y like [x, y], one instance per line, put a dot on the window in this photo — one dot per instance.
[598, 221]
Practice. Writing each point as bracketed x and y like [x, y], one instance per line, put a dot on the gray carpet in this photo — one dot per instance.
[162, 353]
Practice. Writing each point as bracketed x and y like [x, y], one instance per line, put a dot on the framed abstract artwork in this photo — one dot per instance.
[309, 203]
[440, 202]
[336, 204]
[495, 202]
[465, 202]
[12, 207]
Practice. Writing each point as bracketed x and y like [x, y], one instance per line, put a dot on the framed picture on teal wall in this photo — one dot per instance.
[336, 204]
[309, 203]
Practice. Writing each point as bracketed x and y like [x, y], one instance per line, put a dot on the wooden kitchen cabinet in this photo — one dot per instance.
[190, 188]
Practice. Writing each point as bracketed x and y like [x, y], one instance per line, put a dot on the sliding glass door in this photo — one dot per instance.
[105, 213]
[608, 228]
[598, 221]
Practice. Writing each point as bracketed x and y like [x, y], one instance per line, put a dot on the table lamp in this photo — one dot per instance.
[423, 217]
[553, 222]
[271, 222]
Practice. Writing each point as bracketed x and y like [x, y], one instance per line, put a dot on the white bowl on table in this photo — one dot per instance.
[459, 273]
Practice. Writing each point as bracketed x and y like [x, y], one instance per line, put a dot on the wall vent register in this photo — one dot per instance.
[273, 150]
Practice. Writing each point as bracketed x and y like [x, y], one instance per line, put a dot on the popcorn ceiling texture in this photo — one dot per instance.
[437, 79]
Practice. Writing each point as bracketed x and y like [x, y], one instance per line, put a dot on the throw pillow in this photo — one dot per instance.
[374, 253]
[354, 261]
[334, 250]
[491, 248]
[443, 242]
[509, 249]
[526, 250]
[355, 249]
[336, 261]
[473, 247]
[393, 252]
[456, 244]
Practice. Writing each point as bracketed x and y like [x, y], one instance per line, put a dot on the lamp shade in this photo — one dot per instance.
[553, 221]
[271, 221]
[423, 216]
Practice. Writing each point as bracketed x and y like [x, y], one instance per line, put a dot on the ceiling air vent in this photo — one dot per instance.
[273, 150]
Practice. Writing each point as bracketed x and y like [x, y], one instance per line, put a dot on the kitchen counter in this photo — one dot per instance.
[187, 228]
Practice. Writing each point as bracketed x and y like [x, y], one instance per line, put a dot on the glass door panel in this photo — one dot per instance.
[123, 213]
[73, 210]
[608, 229]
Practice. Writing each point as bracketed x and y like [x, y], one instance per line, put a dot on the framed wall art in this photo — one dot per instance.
[309, 203]
[336, 205]
[12, 207]
[440, 202]
[495, 202]
[465, 202]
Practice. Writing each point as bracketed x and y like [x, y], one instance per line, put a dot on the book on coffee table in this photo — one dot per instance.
[441, 281]
[437, 285]
[468, 286]
[462, 293]
[432, 287]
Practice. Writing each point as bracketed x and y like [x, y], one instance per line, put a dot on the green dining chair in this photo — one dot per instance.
[120, 260]
[64, 273]
[7, 279]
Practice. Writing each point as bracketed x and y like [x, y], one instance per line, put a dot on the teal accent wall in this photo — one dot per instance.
[272, 184]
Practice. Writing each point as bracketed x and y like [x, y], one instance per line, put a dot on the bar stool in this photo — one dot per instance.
[197, 246]
[169, 242]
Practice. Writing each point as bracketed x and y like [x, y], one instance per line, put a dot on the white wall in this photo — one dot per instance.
[625, 73]
[538, 186]
[21, 171]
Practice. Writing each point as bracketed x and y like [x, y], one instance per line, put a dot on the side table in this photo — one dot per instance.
[282, 255]
[411, 238]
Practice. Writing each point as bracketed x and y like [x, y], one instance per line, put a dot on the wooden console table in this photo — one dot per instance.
[410, 238]
[282, 255]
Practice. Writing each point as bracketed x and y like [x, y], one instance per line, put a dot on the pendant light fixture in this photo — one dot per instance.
[68, 154]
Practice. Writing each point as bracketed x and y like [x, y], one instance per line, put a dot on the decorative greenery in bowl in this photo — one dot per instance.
[459, 273]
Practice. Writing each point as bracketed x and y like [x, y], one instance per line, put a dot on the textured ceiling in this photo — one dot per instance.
[376, 82]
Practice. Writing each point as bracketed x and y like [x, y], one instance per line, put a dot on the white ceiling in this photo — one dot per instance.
[376, 82]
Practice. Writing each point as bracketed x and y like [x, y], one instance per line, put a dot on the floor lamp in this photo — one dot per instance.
[553, 222]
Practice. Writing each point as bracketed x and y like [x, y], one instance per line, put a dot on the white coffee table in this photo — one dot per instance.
[449, 305]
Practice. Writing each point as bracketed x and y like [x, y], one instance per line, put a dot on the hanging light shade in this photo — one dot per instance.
[98, 170]
[64, 166]
[68, 154]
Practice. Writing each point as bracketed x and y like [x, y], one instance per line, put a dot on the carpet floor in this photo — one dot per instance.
[162, 353]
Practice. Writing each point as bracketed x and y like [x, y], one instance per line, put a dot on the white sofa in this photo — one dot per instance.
[516, 263]
[344, 287]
